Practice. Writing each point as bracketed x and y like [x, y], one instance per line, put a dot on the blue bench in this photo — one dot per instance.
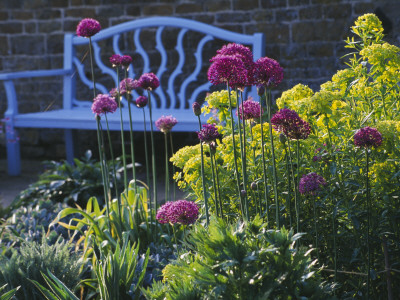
[177, 61]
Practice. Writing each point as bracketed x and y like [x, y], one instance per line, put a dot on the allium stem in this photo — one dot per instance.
[173, 167]
[266, 196]
[297, 181]
[203, 180]
[234, 151]
[145, 151]
[132, 140]
[214, 181]
[334, 242]
[254, 160]
[315, 227]
[289, 200]
[368, 222]
[92, 67]
[122, 132]
[269, 104]
[166, 168]
[295, 190]
[243, 152]
[218, 187]
[153, 154]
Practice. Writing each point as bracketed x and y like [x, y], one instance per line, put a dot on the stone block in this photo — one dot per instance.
[245, 5]
[187, 8]
[275, 32]
[232, 17]
[50, 26]
[55, 43]
[11, 4]
[27, 45]
[319, 31]
[158, 10]
[298, 2]
[293, 51]
[286, 15]
[11, 27]
[310, 12]
[208, 19]
[212, 5]
[80, 12]
[273, 4]
[3, 45]
[325, 1]
[31, 27]
[320, 49]
[133, 10]
[45, 14]
[337, 11]
[263, 16]
[362, 8]
[20, 15]
[111, 11]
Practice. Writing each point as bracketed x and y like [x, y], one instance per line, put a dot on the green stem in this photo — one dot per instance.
[145, 150]
[166, 168]
[153, 155]
[244, 159]
[234, 152]
[269, 104]
[254, 159]
[203, 179]
[218, 187]
[315, 228]
[214, 181]
[132, 141]
[92, 67]
[266, 196]
[173, 167]
[295, 190]
[122, 134]
[334, 243]
[289, 200]
[297, 182]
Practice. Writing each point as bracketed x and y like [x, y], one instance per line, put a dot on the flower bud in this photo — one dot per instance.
[213, 147]
[282, 138]
[196, 108]
[243, 193]
[261, 90]
[253, 186]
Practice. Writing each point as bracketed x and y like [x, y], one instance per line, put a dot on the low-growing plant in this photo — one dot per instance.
[7, 295]
[31, 259]
[242, 261]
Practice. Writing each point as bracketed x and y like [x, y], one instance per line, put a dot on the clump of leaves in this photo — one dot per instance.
[241, 261]
[63, 182]
[34, 258]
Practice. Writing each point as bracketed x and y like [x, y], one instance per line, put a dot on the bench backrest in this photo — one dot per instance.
[176, 50]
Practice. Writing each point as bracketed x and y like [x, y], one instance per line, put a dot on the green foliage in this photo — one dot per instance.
[58, 290]
[7, 295]
[241, 261]
[32, 259]
[63, 182]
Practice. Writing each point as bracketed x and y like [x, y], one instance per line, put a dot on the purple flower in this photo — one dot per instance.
[103, 104]
[368, 137]
[289, 122]
[88, 27]
[208, 134]
[183, 212]
[311, 183]
[163, 213]
[113, 93]
[141, 101]
[250, 110]
[126, 60]
[267, 72]
[165, 123]
[115, 60]
[228, 69]
[149, 81]
[127, 85]
[196, 108]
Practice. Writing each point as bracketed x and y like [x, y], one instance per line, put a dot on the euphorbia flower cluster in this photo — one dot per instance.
[178, 212]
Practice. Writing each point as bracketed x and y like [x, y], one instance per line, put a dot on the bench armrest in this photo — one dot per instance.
[37, 73]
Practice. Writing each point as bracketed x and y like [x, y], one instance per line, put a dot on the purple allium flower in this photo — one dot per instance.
[115, 60]
[267, 72]
[113, 93]
[183, 212]
[289, 122]
[127, 85]
[311, 183]
[228, 69]
[126, 60]
[208, 134]
[250, 110]
[103, 104]
[368, 137]
[165, 123]
[163, 213]
[149, 81]
[141, 101]
[88, 27]
[196, 108]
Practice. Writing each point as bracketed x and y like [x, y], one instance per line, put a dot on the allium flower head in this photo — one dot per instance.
[228, 69]
[126, 60]
[368, 137]
[103, 104]
[250, 110]
[115, 60]
[289, 122]
[113, 93]
[311, 183]
[127, 85]
[163, 213]
[267, 72]
[183, 212]
[88, 27]
[149, 81]
[209, 133]
[196, 108]
[165, 123]
[141, 101]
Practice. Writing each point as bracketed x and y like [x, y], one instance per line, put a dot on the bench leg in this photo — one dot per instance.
[13, 150]
[69, 145]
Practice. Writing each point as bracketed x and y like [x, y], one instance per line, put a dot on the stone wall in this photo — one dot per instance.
[305, 36]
